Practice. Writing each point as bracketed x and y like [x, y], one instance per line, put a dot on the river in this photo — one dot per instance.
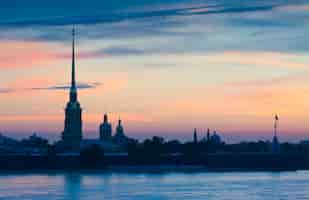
[155, 186]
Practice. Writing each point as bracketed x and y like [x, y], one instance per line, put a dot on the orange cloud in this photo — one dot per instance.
[241, 107]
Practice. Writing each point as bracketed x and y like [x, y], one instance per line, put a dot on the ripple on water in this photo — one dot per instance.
[120, 186]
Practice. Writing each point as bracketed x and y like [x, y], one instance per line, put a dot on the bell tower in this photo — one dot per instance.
[72, 133]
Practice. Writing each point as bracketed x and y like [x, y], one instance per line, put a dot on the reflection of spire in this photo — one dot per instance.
[72, 185]
[73, 90]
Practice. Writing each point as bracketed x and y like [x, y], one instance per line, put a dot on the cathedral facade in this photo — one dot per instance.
[72, 135]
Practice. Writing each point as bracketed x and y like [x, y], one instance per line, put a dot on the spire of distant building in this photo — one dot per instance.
[275, 142]
[276, 124]
[120, 137]
[72, 133]
[208, 134]
[195, 136]
[119, 129]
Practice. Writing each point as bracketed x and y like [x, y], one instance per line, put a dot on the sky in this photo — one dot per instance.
[164, 67]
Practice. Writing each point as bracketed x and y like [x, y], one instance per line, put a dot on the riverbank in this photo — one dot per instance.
[169, 163]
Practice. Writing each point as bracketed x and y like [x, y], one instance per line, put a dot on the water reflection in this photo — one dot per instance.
[122, 186]
[72, 185]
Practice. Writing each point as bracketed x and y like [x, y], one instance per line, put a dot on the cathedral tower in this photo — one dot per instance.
[72, 133]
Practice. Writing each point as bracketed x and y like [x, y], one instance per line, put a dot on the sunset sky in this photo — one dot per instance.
[163, 66]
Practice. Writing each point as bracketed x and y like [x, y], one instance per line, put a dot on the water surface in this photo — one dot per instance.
[138, 186]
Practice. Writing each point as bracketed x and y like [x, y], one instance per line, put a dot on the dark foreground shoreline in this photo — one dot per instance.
[167, 163]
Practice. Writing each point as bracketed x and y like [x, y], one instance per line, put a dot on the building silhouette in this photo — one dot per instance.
[72, 133]
[275, 142]
[120, 137]
[195, 136]
[215, 138]
[105, 130]
[208, 135]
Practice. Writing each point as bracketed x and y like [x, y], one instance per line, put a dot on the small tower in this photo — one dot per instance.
[120, 137]
[275, 142]
[208, 135]
[105, 129]
[215, 138]
[119, 129]
[195, 136]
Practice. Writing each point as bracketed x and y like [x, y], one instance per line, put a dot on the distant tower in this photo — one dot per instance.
[215, 138]
[119, 129]
[72, 133]
[120, 137]
[275, 142]
[195, 136]
[208, 135]
[105, 130]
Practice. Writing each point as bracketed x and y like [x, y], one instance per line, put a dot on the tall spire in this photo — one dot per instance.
[73, 90]
[73, 124]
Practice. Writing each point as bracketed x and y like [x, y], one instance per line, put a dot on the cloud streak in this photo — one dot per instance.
[112, 21]
[114, 17]
[81, 86]
[156, 18]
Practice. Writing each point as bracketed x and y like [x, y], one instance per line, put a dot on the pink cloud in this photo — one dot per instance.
[28, 54]
[22, 54]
